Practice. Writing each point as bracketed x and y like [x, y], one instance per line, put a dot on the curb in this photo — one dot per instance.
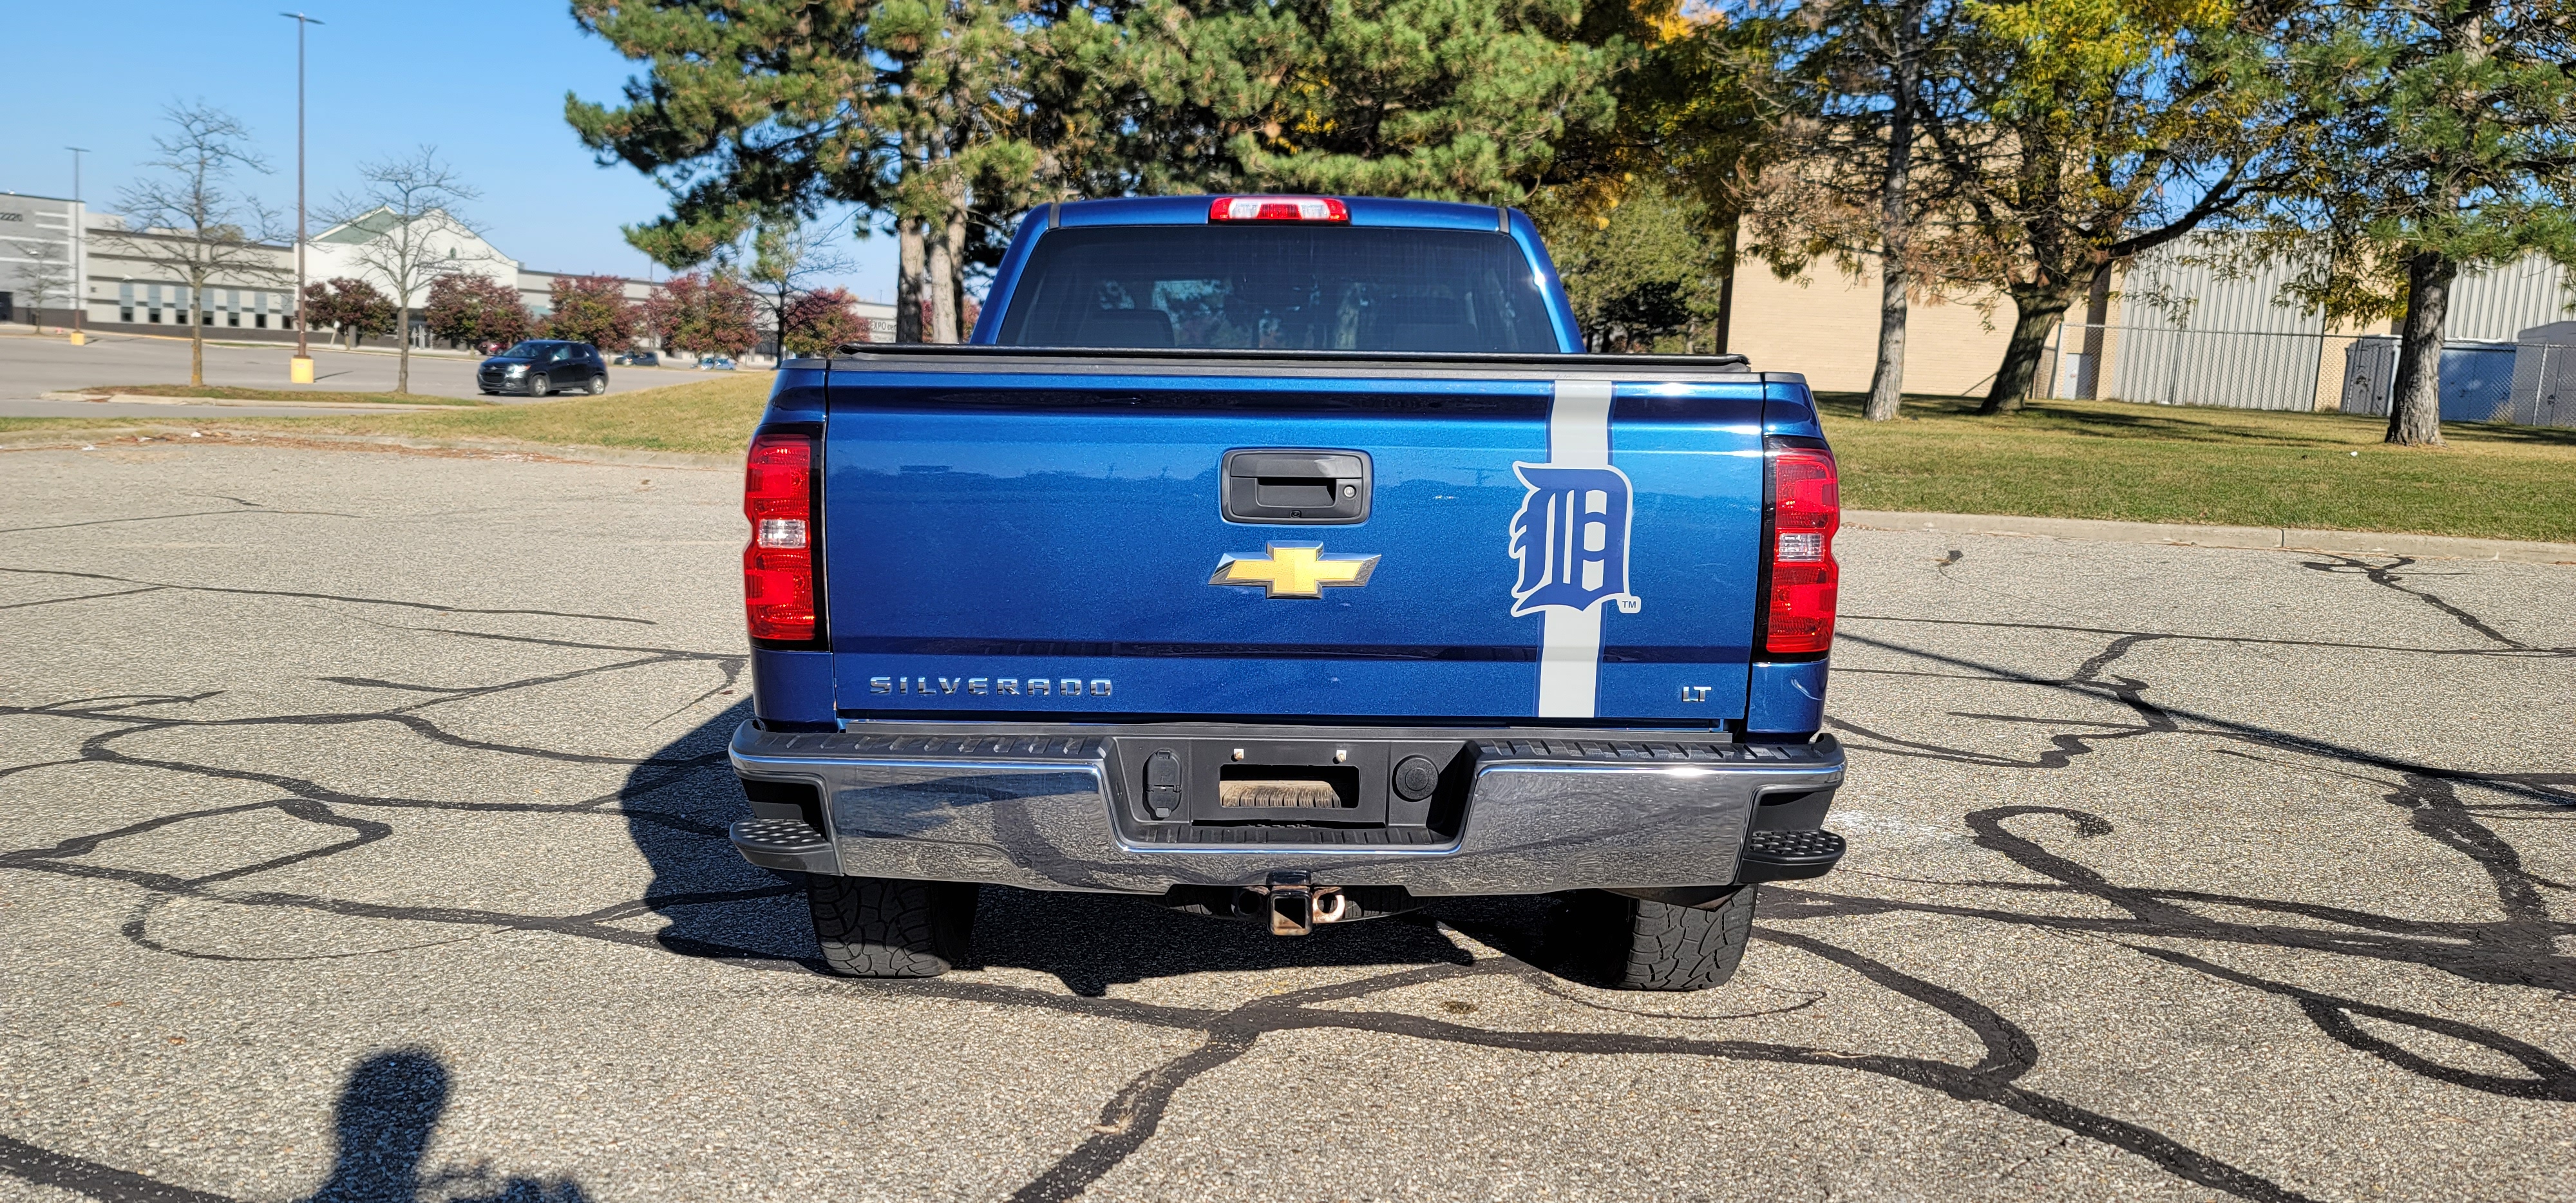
[2261, 538]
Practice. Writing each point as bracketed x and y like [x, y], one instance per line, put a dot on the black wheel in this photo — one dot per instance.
[536, 384]
[1633, 944]
[599, 384]
[883, 927]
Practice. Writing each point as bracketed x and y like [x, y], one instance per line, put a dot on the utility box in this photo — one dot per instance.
[2544, 376]
[2475, 377]
[2369, 374]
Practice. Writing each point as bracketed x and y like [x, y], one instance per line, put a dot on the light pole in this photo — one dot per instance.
[299, 370]
[80, 242]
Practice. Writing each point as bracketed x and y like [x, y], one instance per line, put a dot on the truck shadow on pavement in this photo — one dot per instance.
[679, 802]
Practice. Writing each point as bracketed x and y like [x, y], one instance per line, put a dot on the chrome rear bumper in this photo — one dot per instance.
[1049, 807]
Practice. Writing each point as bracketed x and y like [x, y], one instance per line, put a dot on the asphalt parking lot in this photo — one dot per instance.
[32, 366]
[361, 837]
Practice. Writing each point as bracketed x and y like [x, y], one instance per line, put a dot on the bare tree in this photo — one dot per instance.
[45, 273]
[786, 263]
[188, 222]
[407, 206]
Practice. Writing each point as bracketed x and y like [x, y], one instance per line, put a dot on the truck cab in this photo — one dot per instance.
[1283, 558]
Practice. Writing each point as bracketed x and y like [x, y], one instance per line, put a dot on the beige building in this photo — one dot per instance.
[1825, 324]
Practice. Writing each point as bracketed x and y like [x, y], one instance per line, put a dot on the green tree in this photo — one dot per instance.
[1856, 79]
[1697, 118]
[1447, 99]
[941, 116]
[756, 109]
[2088, 131]
[1636, 267]
[2450, 146]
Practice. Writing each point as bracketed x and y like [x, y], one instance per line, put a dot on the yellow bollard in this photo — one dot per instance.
[79, 339]
[299, 369]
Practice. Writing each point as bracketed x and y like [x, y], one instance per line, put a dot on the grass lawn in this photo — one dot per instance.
[2060, 459]
[707, 417]
[2231, 467]
[227, 393]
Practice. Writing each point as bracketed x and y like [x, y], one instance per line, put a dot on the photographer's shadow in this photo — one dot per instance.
[387, 1112]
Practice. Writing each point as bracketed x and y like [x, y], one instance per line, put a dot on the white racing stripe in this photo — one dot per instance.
[1569, 658]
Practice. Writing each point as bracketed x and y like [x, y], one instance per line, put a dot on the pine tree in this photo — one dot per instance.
[2451, 145]
[943, 116]
[1442, 99]
[758, 109]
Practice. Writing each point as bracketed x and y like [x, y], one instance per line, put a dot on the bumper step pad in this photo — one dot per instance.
[790, 844]
[1789, 855]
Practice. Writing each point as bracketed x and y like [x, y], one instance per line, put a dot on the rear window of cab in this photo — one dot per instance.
[1286, 288]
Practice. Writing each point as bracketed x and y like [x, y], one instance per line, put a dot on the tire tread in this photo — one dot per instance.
[885, 927]
[1642, 945]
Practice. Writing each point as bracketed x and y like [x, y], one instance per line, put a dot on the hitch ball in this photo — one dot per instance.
[1415, 778]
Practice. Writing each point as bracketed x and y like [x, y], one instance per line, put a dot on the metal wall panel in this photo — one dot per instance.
[2498, 304]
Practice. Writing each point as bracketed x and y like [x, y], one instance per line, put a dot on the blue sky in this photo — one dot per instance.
[481, 80]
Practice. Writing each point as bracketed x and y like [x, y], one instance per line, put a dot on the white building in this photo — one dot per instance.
[122, 290]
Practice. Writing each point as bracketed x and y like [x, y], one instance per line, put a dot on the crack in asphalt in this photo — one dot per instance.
[363, 601]
[2521, 949]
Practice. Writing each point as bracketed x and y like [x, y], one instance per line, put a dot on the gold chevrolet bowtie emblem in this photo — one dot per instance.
[1294, 570]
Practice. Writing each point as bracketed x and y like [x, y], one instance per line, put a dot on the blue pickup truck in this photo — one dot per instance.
[1283, 559]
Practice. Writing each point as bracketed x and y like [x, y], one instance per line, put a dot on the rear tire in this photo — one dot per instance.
[884, 927]
[1633, 944]
[599, 384]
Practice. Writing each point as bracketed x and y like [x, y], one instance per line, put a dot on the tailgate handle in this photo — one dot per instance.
[1296, 486]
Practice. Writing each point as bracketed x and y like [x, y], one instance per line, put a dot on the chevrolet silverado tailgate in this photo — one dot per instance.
[1411, 541]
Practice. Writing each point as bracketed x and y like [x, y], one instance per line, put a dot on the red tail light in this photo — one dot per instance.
[778, 567]
[1806, 509]
[1279, 208]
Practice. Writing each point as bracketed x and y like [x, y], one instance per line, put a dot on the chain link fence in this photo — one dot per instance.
[2531, 383]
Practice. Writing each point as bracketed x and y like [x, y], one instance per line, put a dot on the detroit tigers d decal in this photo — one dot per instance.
[1571, 540]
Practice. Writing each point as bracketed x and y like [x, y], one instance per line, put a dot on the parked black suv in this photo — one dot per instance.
[544, 365]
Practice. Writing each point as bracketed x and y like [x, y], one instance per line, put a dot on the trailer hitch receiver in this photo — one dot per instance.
[1294, 903]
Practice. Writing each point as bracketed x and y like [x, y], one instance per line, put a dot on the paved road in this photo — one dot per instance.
[32, 366]
[362, 836]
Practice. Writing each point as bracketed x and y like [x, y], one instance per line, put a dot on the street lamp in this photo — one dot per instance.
[80, 264]
[299, 370]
